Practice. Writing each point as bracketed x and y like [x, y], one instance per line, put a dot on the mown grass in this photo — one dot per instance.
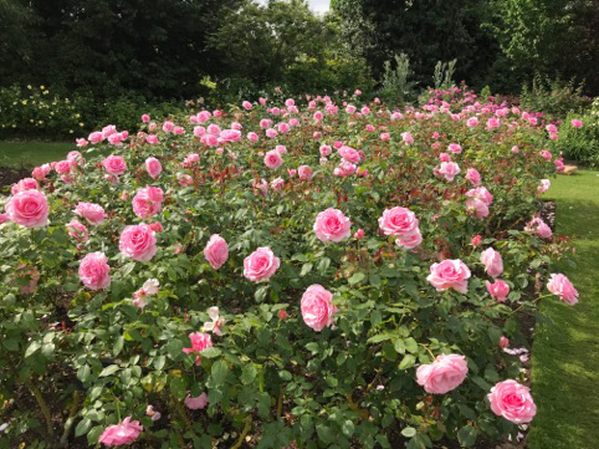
[31, 153]
[565, 365]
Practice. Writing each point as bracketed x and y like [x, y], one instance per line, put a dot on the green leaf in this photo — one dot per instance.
[219, 372]
[407, 362]
[348, 428]
[211, 353]
[83, 373]
[82, 427]
[33, 347]
[467, 436]
[408, 432]
[109, 370]
[356, 278]
[248, 374]
[306, 268]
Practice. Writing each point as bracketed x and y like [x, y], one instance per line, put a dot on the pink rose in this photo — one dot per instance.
[561, 286]
[447, 170]
[28, 208]
[473, 176]
[261, 265]
[498, 290]
[350, 154]
[450, 273]
[199, 342]
[446, 373]
[492, 261]
[454, 148]
[216, 251]
[407, 138]
[332, 225]
[304, 172]
[317, 307]
[121, 434]
[93, 213]
[476, 240]
[138, 242]
[398, 221]
[504, 342]
[153, 167]
[94, 271]
[544, 185]
[114, 165]
[273, 159]
[409, 240]
[539, 227]
[147, 202]
[77, 231]
[24, 184]
[512, 401]
[196, 403]
[576, 123]
[478, 207]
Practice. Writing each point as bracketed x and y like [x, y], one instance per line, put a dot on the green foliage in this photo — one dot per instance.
[580, 144]
[443, 74]
[397, 87]
[554, 97]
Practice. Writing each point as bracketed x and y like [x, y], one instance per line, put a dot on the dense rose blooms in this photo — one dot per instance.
[153, 167]
[450, 273]
[273, 159]
[261, 265]
[498, 290]
[359, 234]
[539, 227]
[94, 271]
[196, 403]
[561, 286]
[492, 261]
[325, 150]
[41, 172]
[93, 213]
[121, 434]
[216, 251]
[512, 401]
[77, 231]
[472, 122]
[230, 135]
[398, 221]
[147, 202]
[473, 176]
[24, 184]
[332, 225]
[476, 240]
[138, 242]
[446, 373]
[576, 123]
[317, 307]
[28, 208]
[482, 194]
[253, 137]
[246, 105]
[199, 342]
[114, 165]
[304, 172]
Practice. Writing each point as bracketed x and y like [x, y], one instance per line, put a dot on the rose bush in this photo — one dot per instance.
[279, 275]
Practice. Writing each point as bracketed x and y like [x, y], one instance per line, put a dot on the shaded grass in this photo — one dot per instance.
[566, 347]
[31, 153]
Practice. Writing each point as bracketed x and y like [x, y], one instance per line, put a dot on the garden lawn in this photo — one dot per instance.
[566, 347]
[31, 153]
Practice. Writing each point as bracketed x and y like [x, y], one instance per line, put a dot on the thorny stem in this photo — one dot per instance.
[43, 405]
[71, 418]
[246, 429]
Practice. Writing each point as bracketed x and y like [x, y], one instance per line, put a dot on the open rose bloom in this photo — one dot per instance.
[446, 373]
[121, 434]
[512, 401]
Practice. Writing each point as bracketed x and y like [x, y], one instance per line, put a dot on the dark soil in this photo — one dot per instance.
[9, 176]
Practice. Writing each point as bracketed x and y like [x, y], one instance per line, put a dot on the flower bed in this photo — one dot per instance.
[309, 276]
